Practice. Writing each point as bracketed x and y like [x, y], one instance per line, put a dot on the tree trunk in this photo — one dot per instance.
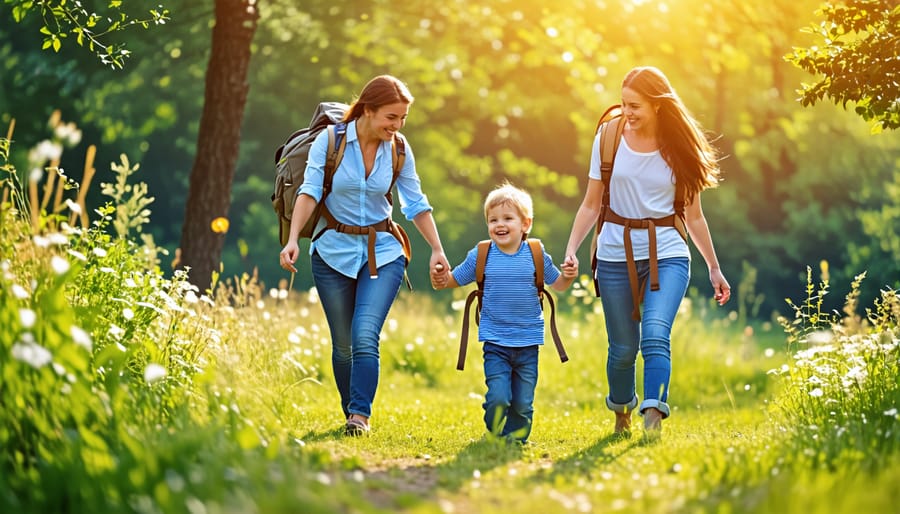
[209, 196]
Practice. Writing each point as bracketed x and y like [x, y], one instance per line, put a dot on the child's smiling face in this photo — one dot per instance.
[507, 227]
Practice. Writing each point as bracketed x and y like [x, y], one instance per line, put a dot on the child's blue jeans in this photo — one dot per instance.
[651, 336]
[511, 376]
[356, 309]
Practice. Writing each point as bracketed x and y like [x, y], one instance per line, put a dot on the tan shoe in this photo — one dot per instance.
[653, 423]
[623, 423]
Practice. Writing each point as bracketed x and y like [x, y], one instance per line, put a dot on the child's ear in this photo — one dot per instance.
[526, 225]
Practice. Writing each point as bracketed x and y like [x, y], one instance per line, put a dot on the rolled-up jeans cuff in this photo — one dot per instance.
[656, 404]
[621, 407]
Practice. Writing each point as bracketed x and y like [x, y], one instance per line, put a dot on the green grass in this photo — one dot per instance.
[122, 390]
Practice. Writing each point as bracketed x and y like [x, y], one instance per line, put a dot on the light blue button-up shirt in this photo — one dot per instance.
[356, 200]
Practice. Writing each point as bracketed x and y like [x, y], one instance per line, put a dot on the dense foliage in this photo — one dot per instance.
[504, 90]
[854, 59]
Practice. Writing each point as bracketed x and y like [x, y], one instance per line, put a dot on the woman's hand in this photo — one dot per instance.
[288, 256]
[721, 289]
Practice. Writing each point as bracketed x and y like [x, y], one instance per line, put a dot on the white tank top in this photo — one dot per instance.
[642, 186]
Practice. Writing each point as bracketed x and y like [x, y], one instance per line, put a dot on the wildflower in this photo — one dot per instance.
[32, 354]
[41, 241]
[154, 372]
[59, 265]
[116, 332]
[78, 255]
[19, 292]
[72, 206]
[219, 225]
[817, 392]
[36, 175]
[81, 338]
[99, 252]
[27, 317]
[128, 313]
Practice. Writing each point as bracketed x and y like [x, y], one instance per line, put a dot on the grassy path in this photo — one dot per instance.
[723, 450]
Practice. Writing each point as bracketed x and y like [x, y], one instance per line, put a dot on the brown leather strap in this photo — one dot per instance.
[610, 137]
[464, 334]
[385, 225]
[537, 255]
[650, 225]
[554, 332]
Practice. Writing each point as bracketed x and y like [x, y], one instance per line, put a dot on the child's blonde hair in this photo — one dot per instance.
[509, 194]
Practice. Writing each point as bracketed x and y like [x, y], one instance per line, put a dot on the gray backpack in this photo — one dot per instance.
[290, 165]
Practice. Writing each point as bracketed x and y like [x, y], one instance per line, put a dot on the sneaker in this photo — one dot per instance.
[356, 425]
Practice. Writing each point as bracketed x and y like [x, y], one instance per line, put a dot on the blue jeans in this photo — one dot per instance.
[356, 309]
[511, 376]
[651, 336]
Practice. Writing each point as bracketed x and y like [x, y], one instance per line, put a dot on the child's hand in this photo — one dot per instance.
[570, 267]
[439, 276]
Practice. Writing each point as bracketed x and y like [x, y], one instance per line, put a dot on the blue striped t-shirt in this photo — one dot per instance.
[511, 312]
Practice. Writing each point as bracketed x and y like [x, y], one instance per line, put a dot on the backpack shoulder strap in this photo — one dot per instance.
[611, 127]
[537, 255]
[337, 142]
[398, 155]
[481, 261]
[473, 297]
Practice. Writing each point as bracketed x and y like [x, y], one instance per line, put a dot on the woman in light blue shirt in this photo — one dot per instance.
[356, 294]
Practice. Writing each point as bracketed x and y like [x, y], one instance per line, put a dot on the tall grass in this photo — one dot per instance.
[844, 382]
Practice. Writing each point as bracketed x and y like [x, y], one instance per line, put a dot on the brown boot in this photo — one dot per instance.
[623, 423]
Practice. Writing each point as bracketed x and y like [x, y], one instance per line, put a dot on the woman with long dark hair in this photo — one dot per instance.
[663, 162]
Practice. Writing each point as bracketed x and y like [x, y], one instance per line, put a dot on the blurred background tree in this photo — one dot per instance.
[504, 90]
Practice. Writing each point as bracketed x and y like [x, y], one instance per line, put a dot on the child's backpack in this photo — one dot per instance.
[611, 126]
[537, 255]
[290, 165]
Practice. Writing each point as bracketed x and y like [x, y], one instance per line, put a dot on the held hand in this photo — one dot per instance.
[439, 270]
[721, 289]
[439, 276]
[570, 268]
[288, 256]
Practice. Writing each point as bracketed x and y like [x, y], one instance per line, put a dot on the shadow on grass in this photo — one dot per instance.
[601, 453]
[324, 435]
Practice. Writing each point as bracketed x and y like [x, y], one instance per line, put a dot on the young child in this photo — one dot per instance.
[512, 322]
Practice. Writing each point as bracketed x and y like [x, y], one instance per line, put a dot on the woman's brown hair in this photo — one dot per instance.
[682, 141]
[380, 91]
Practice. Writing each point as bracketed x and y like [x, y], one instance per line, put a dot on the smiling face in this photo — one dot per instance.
[507, 226]
[387, 120]
[640, 112]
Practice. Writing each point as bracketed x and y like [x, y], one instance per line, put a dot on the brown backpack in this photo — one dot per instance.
[611, 126]
[537, 255]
